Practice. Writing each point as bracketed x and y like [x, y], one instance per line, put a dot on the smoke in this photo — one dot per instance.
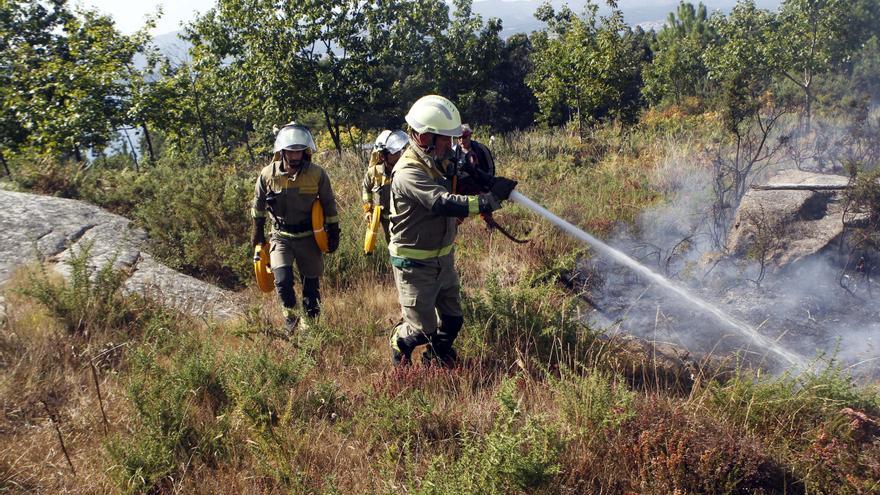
[813, 306]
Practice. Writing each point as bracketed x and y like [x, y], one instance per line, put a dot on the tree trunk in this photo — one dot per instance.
[149, 142]
[333, 128]
[808, 107]
[77, 154]
[5, 164]
[133, 151]
[247, 144]
[204, 131]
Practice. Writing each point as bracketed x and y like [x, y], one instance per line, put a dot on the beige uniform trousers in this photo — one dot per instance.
[425, 291]
[303, 252]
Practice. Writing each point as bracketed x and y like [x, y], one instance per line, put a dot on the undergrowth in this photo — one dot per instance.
[540, 403]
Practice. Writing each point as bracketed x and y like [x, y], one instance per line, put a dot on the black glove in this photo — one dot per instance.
[502, 187]
[332, 237]
[259, 235]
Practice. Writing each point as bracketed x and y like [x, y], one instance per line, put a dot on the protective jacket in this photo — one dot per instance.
[376, 189]
[424, 211]
[288, 198]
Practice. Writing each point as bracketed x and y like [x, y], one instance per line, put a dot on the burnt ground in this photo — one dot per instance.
[805, 307]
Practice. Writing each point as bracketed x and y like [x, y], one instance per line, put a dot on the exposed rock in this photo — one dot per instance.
[54, 229]
[783, 226]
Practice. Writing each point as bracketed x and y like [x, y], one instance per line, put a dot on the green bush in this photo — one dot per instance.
[90, 300]
[179, 403]
[393, 421]
[198, 223]
[591, 400]
[260, 384]
[519, 454]
[523, 320]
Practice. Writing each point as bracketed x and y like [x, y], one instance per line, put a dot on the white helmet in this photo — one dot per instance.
[294, 136]
[391, 141]
[434, 114]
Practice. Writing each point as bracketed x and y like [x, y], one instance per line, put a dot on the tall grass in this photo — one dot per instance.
[540, 404]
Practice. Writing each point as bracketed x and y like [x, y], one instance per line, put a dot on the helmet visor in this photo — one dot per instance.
[396, 142]
[294, 137]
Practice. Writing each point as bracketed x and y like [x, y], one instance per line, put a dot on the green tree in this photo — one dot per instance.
[813, 37]
[584, 68]
[277, 61]
[515, 106]
[64, 77]
[471, 52]
[28, 32]
[678, 69]
[407, 67]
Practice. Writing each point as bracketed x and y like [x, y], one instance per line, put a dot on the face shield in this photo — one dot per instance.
[294, 137]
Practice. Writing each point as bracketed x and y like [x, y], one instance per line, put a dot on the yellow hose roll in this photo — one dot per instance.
[318, 226]
[373, 230]
[262, 270]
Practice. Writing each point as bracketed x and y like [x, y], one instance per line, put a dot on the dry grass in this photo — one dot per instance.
[540, 404]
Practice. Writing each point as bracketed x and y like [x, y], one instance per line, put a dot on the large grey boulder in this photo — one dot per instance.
[54, 229]
[795, 215]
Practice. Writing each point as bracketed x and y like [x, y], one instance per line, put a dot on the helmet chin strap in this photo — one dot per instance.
[448, 166]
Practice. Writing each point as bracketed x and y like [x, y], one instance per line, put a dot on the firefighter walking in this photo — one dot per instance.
[376, 187]
[291, 189]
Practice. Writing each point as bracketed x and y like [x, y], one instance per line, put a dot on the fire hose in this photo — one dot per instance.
[743, 328]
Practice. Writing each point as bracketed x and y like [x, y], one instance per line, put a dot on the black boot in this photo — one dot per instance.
[402, 348]
[311, 296]
[441, 351]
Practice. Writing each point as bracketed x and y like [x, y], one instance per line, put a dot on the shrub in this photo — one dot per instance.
[519, 454]
[90, 301]
[591, 401]
[506, 323]
[198, 222]
[667, 449]
[260, 384]
[800, 416]
[178, 401]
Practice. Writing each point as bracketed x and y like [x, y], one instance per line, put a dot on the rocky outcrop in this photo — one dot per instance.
[36, 227]
[793, 216]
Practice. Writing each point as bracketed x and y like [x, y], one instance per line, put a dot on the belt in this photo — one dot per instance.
[295, 229]
[418, 254]
[405, 262]
[299, 231]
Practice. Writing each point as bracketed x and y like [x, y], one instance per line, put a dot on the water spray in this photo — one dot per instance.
[743, 328]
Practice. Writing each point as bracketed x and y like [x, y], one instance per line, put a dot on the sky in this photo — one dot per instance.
[129, 16]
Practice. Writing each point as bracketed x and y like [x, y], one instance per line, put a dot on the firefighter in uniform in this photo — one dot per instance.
[287, 189]
[376, 188]
[423, 230]
[477, 155]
